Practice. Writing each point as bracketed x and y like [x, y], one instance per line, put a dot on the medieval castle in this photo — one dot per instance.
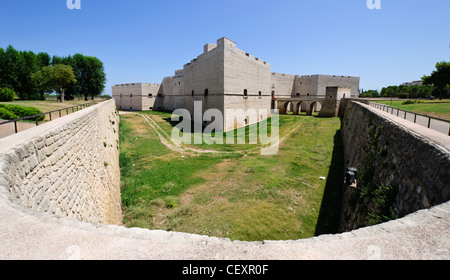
[225, 77]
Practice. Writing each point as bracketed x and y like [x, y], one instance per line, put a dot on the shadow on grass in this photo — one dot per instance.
[330, 210]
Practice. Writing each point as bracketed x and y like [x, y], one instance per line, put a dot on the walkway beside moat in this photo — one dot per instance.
[25, 234]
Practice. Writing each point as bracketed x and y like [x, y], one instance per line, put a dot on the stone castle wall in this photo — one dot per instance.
[136, 96]
[390, 153]
[68, 167]
[247, 87]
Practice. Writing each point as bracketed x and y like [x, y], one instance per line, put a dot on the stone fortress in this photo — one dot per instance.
[225, 77]
[60, 198]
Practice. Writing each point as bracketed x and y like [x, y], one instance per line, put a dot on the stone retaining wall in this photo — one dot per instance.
[414, 166]
[68, 167]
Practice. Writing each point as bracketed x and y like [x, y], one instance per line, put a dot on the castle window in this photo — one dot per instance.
[192, 93]
[259, 95]
[131, 95]
[120, 95]
[245, 92]
[297, 94]
[150, 95]
[206, 92]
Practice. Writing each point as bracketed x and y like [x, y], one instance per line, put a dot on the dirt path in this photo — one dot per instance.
[166, 141]
[165, 138]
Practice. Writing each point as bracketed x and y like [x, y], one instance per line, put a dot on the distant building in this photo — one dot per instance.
[413, 83]
[225, 77]
[135, 96]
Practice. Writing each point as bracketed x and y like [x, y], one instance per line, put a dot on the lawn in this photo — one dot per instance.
[49, 105]
[433, 108]
[235, 193]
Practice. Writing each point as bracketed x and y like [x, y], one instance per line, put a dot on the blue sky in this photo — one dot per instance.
[144, 41]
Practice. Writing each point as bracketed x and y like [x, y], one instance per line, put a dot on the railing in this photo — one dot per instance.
[73, 109]
[403, 114]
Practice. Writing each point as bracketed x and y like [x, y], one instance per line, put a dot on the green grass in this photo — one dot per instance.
[49, 105]
[434, 108]
[238, 194]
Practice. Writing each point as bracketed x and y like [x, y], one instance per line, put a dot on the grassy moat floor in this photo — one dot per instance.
[236, 192]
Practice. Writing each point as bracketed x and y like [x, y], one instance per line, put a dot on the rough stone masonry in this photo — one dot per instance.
[68, 167]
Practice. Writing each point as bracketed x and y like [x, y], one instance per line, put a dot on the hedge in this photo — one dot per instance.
[7, 115]
[21, 111]
[6, 94]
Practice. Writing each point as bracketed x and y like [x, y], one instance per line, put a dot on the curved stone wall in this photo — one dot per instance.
[390, 151]
[68, 167]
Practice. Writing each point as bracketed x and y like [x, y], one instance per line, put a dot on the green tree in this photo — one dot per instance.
[94, 77]
[54, 78]
[440, 77]
[6, 94]
[16, 69]
[10, 69]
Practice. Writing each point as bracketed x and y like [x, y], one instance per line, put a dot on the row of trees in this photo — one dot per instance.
[32, 75]
[415, 91]
[436, 84]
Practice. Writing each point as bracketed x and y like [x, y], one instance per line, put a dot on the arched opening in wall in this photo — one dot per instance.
[245, 92]
[288, 107]
[297, 94]
[313, 108]
[192, 93]
[150, 95]
[260, 94]
[298, 108]
[131, 95]
[206, 92]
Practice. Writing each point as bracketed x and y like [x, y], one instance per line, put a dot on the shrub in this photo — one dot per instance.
[7, 115]
[21, 111]
[407, 102]
[6, 94]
